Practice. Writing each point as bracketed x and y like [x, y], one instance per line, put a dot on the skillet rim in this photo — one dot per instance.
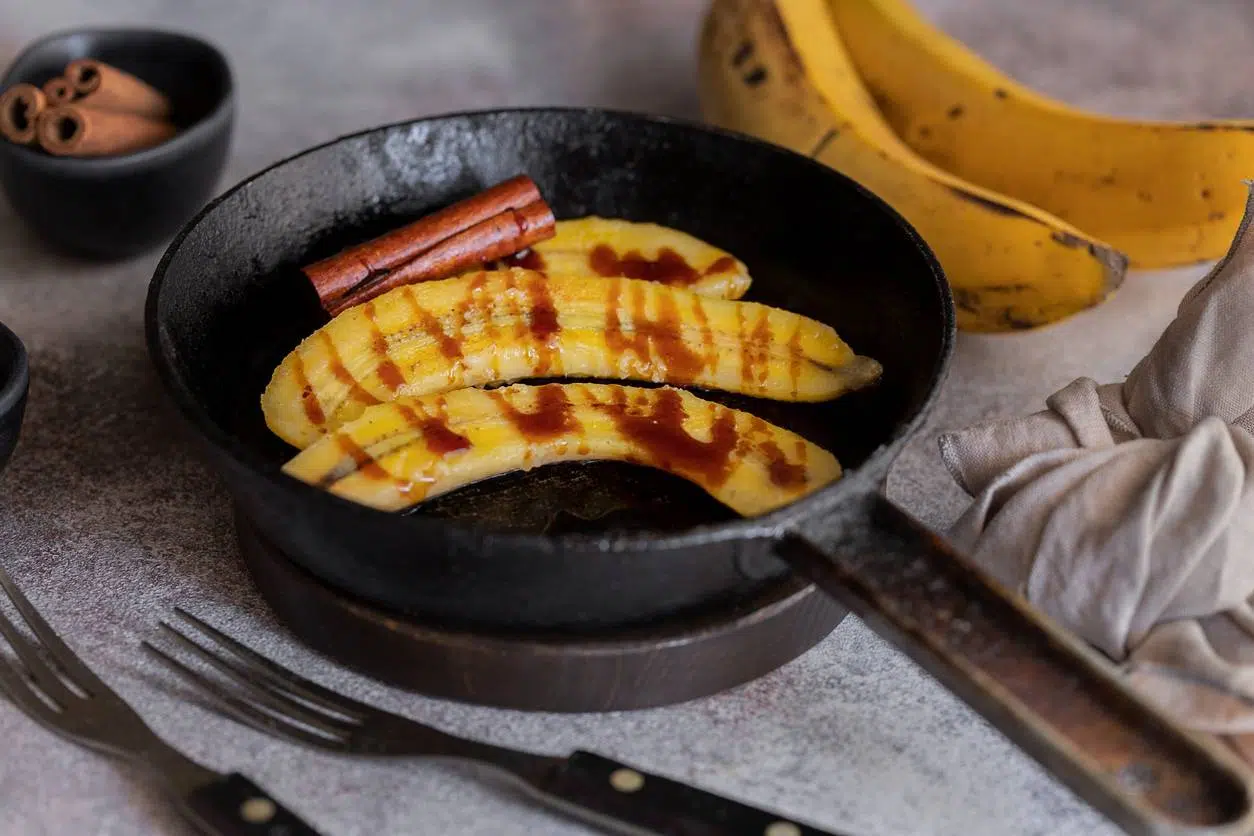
[766, 526]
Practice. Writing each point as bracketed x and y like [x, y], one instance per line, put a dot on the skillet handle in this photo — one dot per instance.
[1039, 685]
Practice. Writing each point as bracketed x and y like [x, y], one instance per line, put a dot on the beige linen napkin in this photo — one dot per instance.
[1126, 511]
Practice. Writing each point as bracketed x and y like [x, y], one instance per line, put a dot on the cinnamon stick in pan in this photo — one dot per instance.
[336, 276]
[497, 237]
[20, 107]
[59, 91]
[77, 131]
[105, 87]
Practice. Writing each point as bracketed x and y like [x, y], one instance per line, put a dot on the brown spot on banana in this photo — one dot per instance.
[990, 205]
[1007, 288]
[755, 77]
[779, 33]
[823, 142]
[967, 300]
[1068, 240]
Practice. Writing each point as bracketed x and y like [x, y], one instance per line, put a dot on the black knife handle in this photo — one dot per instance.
[651, 804]
[235, 806]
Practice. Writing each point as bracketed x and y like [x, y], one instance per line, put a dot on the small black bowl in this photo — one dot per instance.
[116, 207]
[14, 381]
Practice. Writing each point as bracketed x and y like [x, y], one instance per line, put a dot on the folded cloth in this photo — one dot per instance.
[1125, 511]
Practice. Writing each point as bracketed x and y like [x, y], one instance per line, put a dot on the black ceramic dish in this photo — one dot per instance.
[14, 383]
[115, 207]
[584, 547]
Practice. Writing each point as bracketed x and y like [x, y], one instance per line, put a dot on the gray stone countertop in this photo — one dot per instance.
[107, 521]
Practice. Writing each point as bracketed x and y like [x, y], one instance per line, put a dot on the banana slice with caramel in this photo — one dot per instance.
[398, 454]
[616, 248]
[507, 325]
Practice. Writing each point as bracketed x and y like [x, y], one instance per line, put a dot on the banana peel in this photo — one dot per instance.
[397, 454]
[778, 69]
[1165, 193]
[505, 325]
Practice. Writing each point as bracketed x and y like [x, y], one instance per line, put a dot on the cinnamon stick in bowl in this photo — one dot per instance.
[497, 222]
[77, 131]
[105, 87]
[20, 107]
[59, 91]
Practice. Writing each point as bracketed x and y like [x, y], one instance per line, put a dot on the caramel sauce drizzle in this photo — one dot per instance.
[528, 259]
[746, 350]
[668, 268]
[795, 356]
[484, 307]
[389, 374]
[515, 306]
[544, 324]
[666, 338]
[436, 433]
[450, 347]
[654, 424]
[707, 333]
[759, 345]
[783, 473]
[660, 338]
[308, 398]
[553, 415]
[471, 300]
[343, 375]
[803, 452]
[363, 462]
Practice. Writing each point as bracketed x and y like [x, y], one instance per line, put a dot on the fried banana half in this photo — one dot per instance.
[616, 248]
[398, 454]
[508, 325]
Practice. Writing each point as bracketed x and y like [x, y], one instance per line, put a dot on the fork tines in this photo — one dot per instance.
[258, 692]
[47, 676]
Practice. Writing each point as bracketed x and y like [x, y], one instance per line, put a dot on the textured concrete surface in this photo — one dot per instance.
[108, 522]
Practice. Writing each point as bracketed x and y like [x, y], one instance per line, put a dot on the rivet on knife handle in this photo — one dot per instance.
[651, 804]
[235, 806]
[1033, 681]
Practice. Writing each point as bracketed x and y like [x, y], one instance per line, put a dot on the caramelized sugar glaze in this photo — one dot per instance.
[496, 326]
[402, 452]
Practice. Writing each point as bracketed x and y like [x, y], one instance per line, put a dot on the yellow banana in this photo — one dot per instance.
[505, 325]
[611, 247]
[1165, 193]
[398, 454]
[778, 69]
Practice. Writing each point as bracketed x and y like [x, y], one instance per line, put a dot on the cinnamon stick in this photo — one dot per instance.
[20, 107]
[335, 276]
[499, 236]
[105, 87]
[59, 91]
[77, 131]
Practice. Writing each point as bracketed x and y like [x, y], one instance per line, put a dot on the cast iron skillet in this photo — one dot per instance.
[589, 547]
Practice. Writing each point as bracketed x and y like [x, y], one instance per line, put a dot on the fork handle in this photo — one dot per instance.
[648, 803]
[235, 806]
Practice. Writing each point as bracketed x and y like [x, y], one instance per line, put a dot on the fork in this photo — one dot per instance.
[271, 699]
[51, 684]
